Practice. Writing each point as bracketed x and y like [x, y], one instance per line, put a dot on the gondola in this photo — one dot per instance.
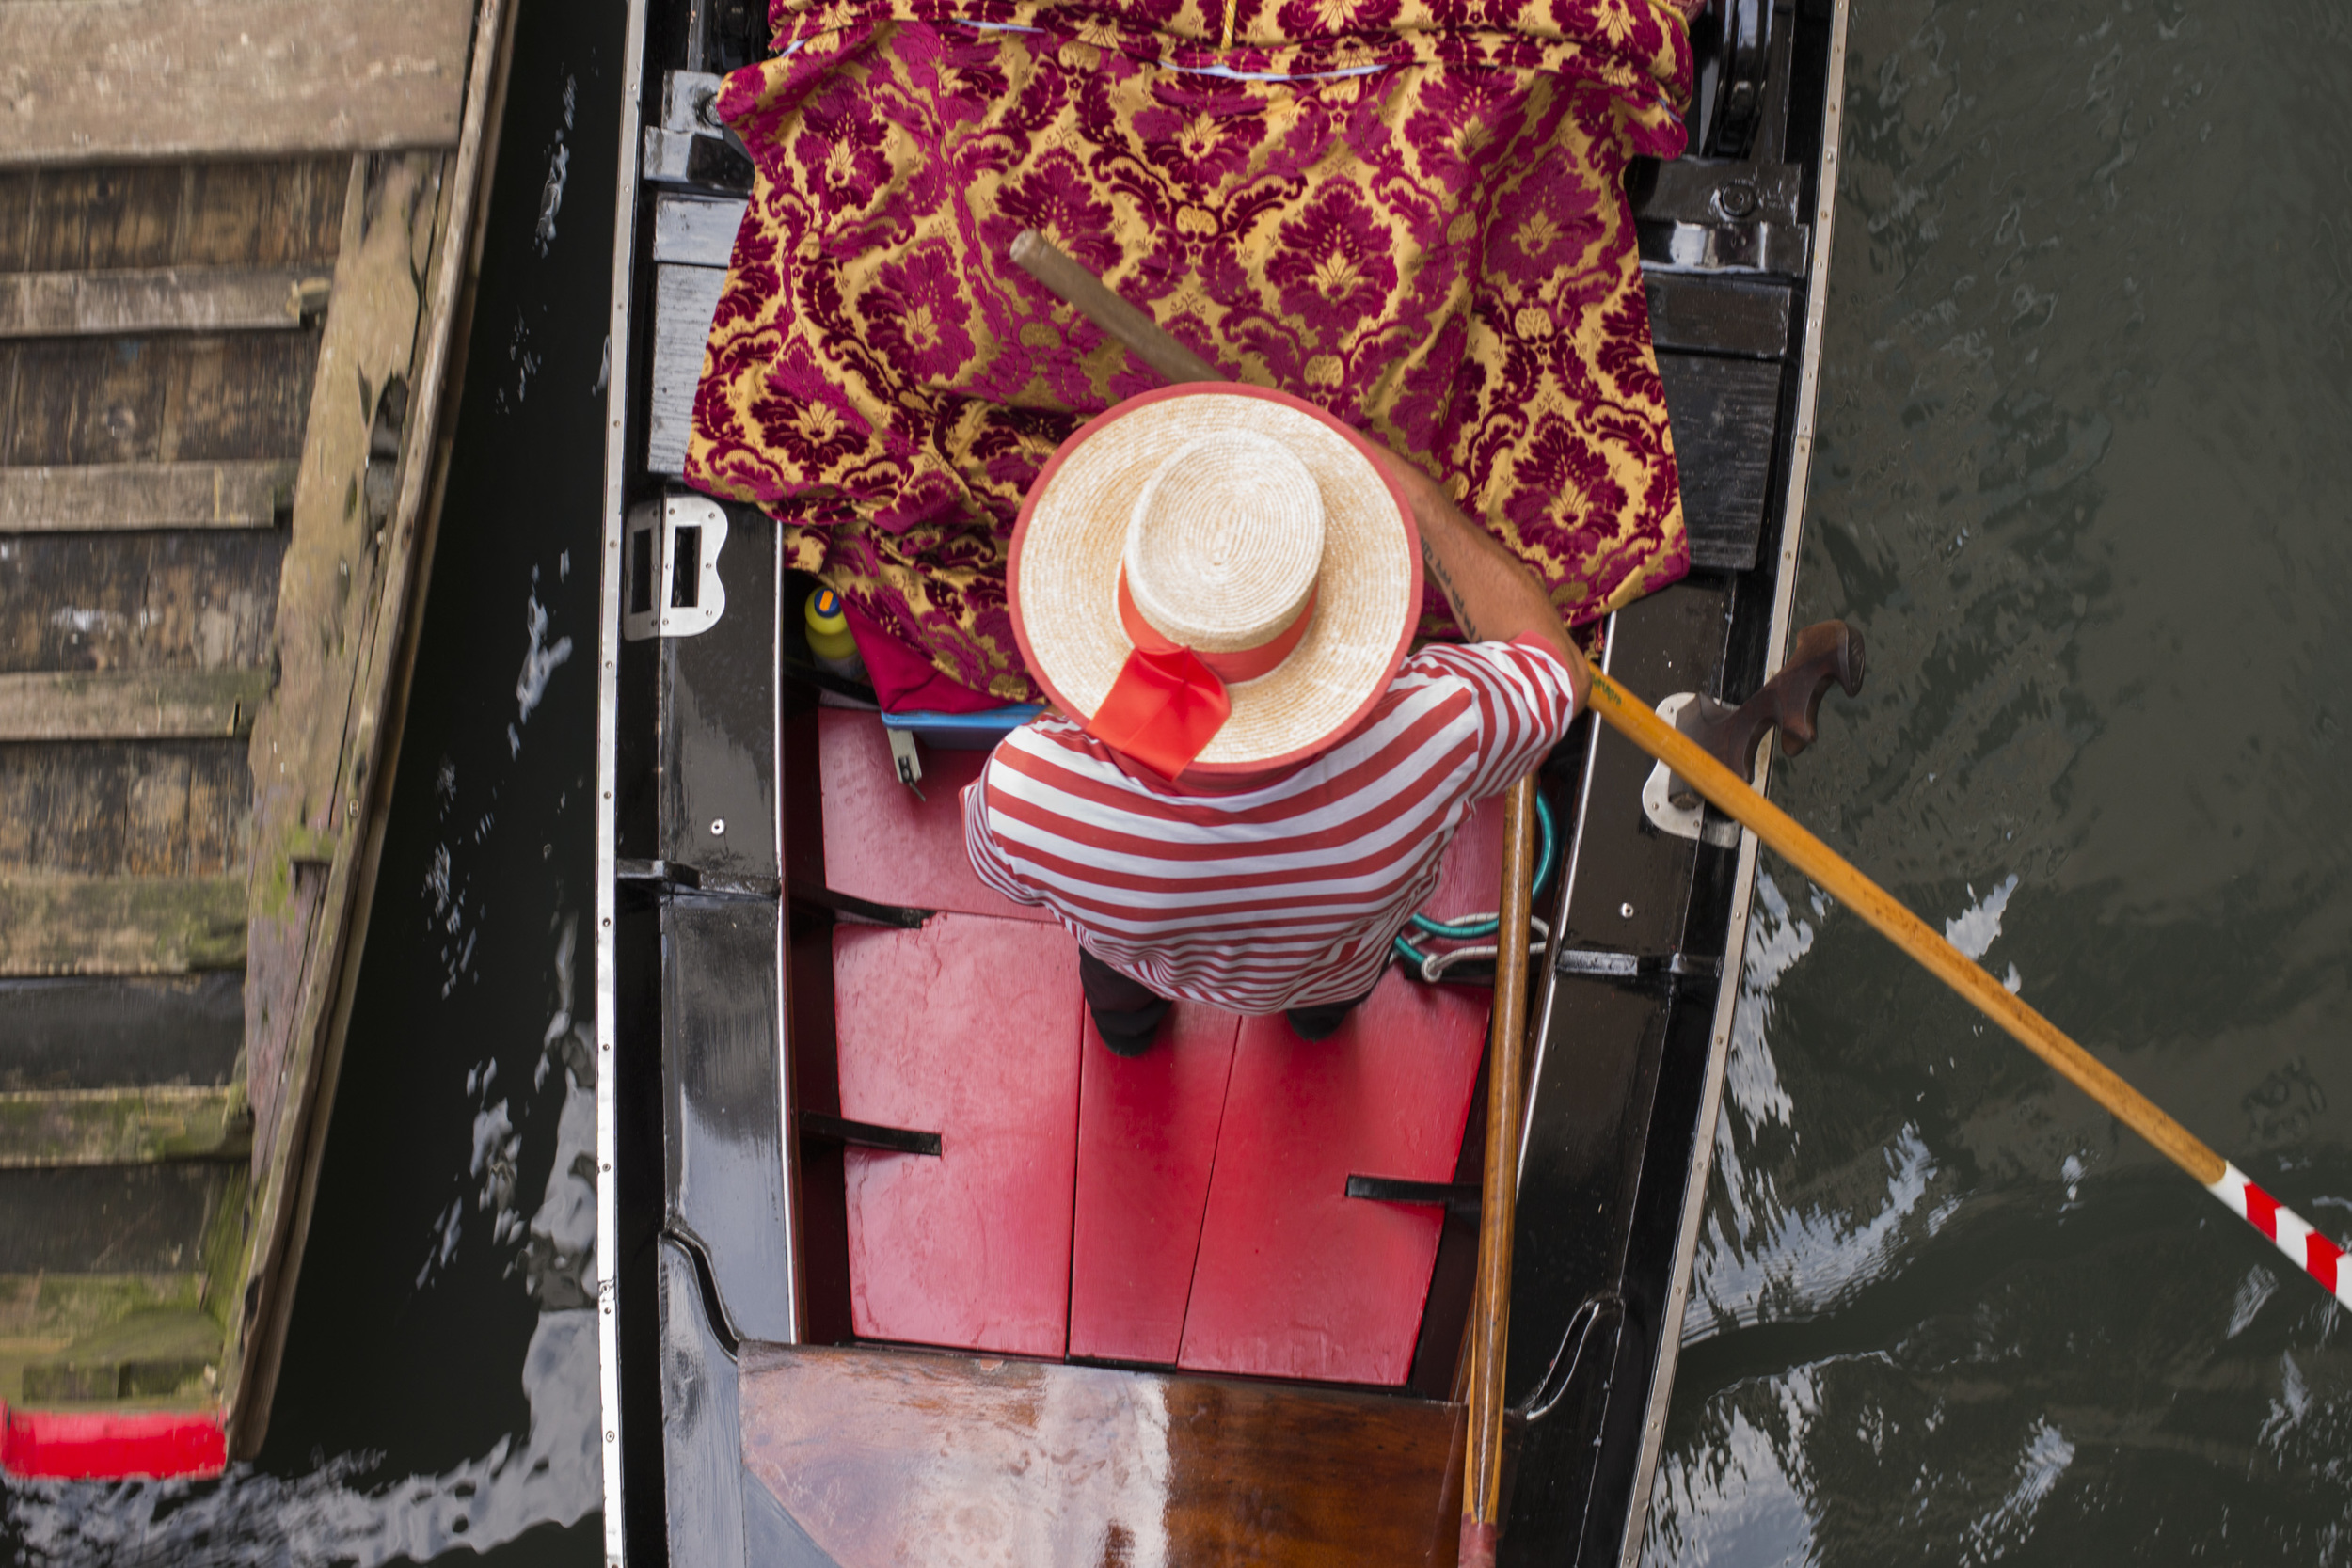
[877, 1291]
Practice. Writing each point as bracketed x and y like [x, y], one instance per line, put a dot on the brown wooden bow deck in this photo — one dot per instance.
[233, 252]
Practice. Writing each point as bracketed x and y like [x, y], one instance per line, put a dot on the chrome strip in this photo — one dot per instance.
[608, 689]
[1559, 920]
[1743, 882]
[787, 1140]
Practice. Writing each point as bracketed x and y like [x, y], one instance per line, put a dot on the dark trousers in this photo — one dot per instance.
[1127, 1012]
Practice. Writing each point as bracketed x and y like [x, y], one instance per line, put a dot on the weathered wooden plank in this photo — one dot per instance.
[130, 704]
[96, 497]
[1724, 413]
[98, 1033]
[169, 399]
[85, 81]
[260, 212]
[697, 230]
[138, 808]
[309, 1045]
[107, 1219]
[53, 924]
[167, 1357]
[49, 1127]
[158, 299]
[328, 598]
[44, 1315]
[138, 601]
[684, 300]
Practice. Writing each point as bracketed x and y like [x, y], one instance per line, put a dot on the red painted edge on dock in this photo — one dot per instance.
[165, 1444]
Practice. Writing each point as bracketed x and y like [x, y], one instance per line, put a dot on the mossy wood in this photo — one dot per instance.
[222, 411]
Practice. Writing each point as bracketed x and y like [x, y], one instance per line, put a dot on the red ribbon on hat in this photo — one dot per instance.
[1169, 700]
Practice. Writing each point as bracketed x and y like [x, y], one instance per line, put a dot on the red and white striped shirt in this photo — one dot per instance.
[1286, 891]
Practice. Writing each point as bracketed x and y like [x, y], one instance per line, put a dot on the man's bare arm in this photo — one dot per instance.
[1495, 597]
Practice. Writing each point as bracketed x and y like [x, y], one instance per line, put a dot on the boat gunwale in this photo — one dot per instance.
[1701, 1171]
[619, 387]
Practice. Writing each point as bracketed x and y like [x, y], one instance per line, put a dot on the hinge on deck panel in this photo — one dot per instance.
[676, 876]
[823, 1127]
[1635, 968]
[851, 907]
[1460, 1200]
[670, 577]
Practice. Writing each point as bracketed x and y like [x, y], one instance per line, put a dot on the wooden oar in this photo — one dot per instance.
[1490, 1310]
[1633, 719]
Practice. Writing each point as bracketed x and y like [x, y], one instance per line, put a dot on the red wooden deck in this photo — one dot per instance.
[1182, 1208]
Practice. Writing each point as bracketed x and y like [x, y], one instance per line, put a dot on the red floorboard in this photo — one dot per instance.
[884, 844]
[1295, 1278]
[968, 1027]
[1147, 1136]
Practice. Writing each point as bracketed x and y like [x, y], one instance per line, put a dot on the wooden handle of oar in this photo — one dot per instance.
[1491, 1310]
[1633, 719]
[1143, 337]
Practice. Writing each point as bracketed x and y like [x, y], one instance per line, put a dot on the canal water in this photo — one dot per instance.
[2083, 482]
[439, 1396]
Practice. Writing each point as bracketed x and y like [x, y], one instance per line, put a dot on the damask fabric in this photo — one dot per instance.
[1431, 240]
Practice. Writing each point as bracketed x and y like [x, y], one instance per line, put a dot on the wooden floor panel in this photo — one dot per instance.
[899, 1459]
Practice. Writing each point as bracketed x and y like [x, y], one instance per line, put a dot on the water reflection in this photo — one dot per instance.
[352, 1508]
[2080, 483]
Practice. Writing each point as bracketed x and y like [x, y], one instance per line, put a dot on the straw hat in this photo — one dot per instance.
[1239, 526]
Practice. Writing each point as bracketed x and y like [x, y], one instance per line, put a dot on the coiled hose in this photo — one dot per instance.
[1431, 967]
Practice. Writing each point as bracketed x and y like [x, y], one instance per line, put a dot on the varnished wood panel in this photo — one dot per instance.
[95, 80]
[1747, 317]
[57, 925]
[897, 1460]
[103, 498]
[264, 212]
[1725, 412]
[130, 704]
[138, 601]
[51, 1127]
[124, 809]
[155, 400]
[159, 299]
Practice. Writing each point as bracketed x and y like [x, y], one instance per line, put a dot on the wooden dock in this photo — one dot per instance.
[235, 241]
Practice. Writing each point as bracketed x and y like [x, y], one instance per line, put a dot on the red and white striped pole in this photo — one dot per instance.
[2311, 1252]
[2308, 1246]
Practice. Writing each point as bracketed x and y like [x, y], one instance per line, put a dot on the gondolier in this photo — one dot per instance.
[1249, 785]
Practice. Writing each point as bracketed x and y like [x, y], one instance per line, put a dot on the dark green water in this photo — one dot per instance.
[2083, 481]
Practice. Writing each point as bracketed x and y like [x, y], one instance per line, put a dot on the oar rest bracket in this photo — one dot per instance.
[1825, 654]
